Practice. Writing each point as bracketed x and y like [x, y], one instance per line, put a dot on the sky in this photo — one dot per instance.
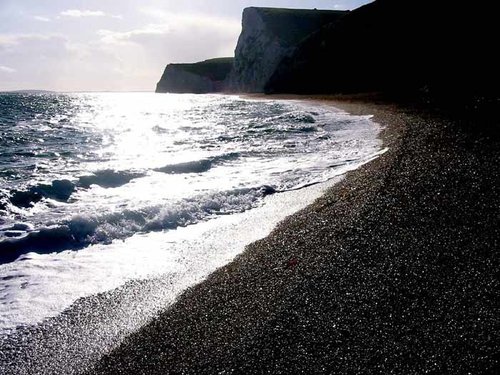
[110, 45]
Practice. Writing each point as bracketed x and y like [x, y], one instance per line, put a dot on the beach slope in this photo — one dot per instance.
[394, 270]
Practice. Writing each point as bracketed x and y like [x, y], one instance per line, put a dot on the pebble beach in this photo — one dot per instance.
[394, 270]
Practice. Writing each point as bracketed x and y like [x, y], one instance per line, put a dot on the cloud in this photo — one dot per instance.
[82, 13]
[114, 59]
[173, 24]
[27, 47]
[78, 13]
[54, 62]
[116, 37]
[41, 18]
[38, 57]
[8, 41]
[6, 69]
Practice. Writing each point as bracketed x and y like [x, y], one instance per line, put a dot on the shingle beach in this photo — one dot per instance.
[394, 271]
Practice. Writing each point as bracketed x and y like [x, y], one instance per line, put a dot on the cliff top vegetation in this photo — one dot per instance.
[216, 69]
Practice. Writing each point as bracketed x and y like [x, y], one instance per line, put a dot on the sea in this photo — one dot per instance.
[113, 204]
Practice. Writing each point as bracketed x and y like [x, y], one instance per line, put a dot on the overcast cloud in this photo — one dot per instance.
[106, 45]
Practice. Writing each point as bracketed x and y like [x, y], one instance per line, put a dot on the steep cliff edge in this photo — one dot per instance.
[442, 49]
[269, 35]
[198, 78]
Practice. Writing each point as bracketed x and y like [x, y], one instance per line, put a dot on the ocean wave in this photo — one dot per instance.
[43, 240]
[61, 190]
[81, 231]
[197, 166]
[297, 117]
[109, 178]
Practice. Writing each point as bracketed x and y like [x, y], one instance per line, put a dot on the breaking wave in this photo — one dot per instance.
[197, 166]
[81, 231]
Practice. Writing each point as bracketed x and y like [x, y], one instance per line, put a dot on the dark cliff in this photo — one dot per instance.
[269, 35]
[441, 48]
[202, 77]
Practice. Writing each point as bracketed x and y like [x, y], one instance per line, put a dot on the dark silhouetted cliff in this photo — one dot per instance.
[202, 77]
[443, 49]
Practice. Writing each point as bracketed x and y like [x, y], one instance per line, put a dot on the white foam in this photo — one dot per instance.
[43, 285]
[172, 260]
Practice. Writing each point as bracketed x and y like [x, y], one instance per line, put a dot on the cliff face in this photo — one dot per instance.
[443, 49]
[198, 78]
[269, 35]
